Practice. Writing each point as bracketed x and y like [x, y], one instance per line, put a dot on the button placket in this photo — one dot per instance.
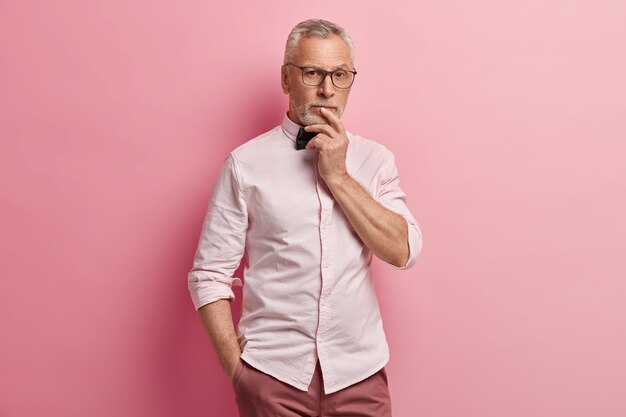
[326, 272]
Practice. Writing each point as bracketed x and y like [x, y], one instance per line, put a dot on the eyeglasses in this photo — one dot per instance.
[314, 76]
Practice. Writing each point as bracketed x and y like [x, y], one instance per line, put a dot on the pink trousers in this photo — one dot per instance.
[261, 395]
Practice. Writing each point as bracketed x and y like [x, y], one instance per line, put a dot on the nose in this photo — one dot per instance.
[326, 88]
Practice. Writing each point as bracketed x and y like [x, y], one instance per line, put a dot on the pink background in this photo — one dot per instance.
[508, 122]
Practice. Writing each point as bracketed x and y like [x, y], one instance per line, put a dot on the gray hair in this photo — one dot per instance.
[318, 28]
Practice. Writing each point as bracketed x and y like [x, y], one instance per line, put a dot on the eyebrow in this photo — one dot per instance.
[342, 66]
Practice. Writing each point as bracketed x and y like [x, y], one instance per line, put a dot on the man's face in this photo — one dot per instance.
[305, 101]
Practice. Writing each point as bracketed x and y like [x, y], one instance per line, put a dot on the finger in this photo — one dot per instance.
[318, 141]
[321, 128]
[333, 120]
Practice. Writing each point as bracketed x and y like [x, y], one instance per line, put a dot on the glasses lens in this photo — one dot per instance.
[343, 79]
[312, 76]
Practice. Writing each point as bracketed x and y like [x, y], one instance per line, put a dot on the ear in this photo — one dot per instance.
[283, 79]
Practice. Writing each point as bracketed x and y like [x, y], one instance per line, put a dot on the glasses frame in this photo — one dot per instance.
[326, 73]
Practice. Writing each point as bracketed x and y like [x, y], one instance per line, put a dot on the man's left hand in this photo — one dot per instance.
[332, 144]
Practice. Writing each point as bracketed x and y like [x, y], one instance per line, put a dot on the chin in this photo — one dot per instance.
[308, 118]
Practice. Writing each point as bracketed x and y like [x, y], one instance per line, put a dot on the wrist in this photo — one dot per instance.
[337, 180]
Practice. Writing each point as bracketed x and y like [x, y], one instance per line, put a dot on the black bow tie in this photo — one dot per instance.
[303, 138]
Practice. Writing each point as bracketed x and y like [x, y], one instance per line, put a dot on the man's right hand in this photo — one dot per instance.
[232, 367]
[218, 322]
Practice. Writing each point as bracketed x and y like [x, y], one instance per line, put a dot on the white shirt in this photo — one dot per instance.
[309, 290]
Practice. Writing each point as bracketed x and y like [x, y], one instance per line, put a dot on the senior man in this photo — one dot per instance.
[309, 203]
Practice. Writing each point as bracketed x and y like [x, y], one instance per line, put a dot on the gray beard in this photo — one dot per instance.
[308, 118]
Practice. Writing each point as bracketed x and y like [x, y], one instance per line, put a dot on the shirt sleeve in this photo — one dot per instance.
[222, 240]
[391, 196]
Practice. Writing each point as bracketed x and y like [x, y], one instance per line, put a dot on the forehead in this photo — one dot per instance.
[327, 53]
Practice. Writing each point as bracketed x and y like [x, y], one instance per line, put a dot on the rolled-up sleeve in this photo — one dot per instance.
[222, 240]
[391, 196]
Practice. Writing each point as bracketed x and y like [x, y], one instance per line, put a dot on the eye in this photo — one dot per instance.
[339, 74]
[311, 72]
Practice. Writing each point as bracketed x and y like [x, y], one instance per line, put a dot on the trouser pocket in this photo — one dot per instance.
[238, 371]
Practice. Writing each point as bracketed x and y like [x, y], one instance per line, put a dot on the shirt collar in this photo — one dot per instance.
[290, 128]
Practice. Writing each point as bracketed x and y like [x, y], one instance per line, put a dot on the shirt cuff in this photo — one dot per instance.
[414, 241]
[206, 288]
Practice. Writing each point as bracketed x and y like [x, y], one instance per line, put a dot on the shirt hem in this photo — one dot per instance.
[371, 371]
[261, 368]
[327, 390]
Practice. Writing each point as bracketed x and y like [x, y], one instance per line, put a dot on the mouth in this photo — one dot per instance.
[316, 107]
